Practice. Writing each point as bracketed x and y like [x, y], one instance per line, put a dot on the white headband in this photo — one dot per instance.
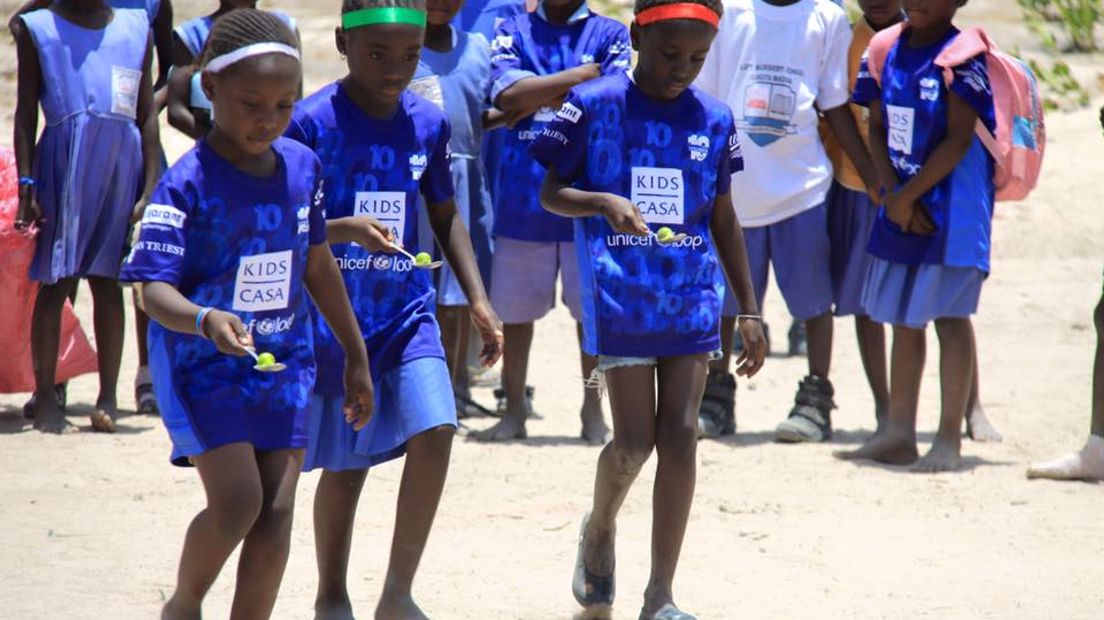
[219, 63]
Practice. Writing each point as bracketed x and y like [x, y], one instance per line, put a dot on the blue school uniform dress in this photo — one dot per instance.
[88, 163]
[914, 278]
[458, 81]
[238, 243]
[378, 168]
[641, 299]
[526, 46]
[193, 34]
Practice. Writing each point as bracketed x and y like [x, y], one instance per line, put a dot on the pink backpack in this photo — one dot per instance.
[1018, 146]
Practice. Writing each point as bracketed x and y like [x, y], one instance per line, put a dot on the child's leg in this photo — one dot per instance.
[265, 550]
[335, 505]
[819, 331]
[681, 383]
[595, 431]
[872, 350]
[517, 340]
[1097, 428]
[632, 406]
[978, 426]
[232, 481]
[956, 372]
[423, 480]
[45, 339]
[109, 321]
[897, 444]
[144, 398]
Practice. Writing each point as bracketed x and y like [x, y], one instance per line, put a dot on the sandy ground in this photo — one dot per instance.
[92, 524]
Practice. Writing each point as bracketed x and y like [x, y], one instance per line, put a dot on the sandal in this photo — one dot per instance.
[468, 408]
[146, 400]
[500, 409]
[62, 392]
[668, 612]
[811, 416]
[593, 592]
[717, 413]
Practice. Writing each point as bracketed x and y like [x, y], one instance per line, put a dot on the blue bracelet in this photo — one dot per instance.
[202, 314]
[27, 181]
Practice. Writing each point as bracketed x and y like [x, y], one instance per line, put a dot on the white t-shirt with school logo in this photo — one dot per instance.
[775, 67]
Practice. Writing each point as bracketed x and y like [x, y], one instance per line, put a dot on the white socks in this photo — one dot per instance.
[1088, 464]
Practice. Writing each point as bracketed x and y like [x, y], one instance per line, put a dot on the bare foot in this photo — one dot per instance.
[1086, 464]
[595, 431]
[979, 428]
[396, 607]
[103, 417]
[333, 610]
[176, 610]
[509, 427]
[943, 456]
[49, 418]
[889, 448]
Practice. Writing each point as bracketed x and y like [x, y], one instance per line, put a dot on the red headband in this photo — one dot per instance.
[683, 10]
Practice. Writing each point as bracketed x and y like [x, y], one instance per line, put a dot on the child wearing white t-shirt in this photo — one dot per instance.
[780, 65]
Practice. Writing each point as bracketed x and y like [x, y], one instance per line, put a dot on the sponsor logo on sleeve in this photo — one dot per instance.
[163, 216]
[570, 113]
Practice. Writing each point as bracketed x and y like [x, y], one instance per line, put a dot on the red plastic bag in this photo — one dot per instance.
[17, 297]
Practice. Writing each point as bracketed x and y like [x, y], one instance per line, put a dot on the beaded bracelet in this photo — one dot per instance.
[200, 316]
[750, 317]
[27, 181]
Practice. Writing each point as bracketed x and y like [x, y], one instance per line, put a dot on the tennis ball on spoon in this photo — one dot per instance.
[422, 259]
[266, 359]
[665, 234]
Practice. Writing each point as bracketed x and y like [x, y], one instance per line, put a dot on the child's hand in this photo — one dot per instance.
[228, 332]
[755, 347]
[877, 194]
[489, 327]
[372, 235]
[899, 210]
[139, 210]
[920, 223]
[360, 394]
[29, 212]
[588, 72]
[623, 216]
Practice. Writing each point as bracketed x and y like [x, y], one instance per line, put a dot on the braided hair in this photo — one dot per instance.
[713, 5]
[242, 27]
[348, 6]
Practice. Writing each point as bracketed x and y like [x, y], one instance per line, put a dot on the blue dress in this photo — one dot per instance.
[460, 80]
[88, 163]
[238, 243]
[672, 160]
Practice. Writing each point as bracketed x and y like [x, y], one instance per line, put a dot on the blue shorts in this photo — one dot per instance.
[410, 399]
[851, 217]
[798, 249]
[523, 279]
[914, 295]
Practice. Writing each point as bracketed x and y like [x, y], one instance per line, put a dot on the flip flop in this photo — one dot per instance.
[593, 592]
[668, 612]
[145, 399]
[465, 407]
[102, 422]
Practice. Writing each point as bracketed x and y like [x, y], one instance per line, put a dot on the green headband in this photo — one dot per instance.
[383, 15]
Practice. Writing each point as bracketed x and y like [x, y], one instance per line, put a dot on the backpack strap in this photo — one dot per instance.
[880, 46]
[966, 45]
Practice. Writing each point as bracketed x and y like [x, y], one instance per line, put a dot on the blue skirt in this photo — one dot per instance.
[410, 399]
[851, 217]
[914, 295]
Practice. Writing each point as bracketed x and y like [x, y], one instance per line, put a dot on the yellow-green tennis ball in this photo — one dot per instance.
[422, 258]
[663, 234]
[266, 359]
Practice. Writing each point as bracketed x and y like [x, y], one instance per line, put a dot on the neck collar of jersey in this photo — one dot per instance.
[579, 15]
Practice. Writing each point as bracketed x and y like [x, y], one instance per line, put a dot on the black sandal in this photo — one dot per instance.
[62, 392]
[717, 413]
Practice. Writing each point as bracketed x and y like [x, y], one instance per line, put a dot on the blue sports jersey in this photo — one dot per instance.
[913, 99]
[526, 46]
[378, 167]
[672, 160]
[237, 243]
[485, 16]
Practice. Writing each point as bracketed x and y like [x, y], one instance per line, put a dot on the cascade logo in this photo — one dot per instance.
[699, 147]
[270, 326]
[502, 42]
[570, 113]
[303, 215]
[929, 89]
[418, 163]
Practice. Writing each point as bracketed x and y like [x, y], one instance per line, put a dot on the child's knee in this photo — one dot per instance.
[235, 515]
[678, 435]
[1098, 318]
[633, 450]
[952, 328]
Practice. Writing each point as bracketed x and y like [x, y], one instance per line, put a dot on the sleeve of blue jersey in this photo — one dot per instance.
[158, 253]
[436, 183]
[618, 51]
[317, 210]
[732, 160]
[563, 142]
[298, 128]
[866, 90]
[506, 55]
[971, 83]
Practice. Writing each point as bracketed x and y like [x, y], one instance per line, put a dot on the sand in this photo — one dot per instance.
[92, 524]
